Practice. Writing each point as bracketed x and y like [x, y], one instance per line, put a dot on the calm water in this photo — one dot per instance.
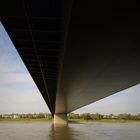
[72, 132]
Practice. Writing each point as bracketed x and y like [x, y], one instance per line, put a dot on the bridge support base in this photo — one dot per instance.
[60, 119]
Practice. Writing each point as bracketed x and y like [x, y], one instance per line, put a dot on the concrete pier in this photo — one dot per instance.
[60, 119]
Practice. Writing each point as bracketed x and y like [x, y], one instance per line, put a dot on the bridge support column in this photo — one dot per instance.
[60, 119]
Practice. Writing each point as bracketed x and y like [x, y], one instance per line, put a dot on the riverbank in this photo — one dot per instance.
[77, 121]
[25, 120]
[81, 121]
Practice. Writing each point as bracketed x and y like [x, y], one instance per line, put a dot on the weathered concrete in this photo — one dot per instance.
[60, 119]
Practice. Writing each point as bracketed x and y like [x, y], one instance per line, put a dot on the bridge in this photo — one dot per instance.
[76, 51]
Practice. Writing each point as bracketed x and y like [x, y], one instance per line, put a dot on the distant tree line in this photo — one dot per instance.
[97, 116]
[84, 116]
[29, 115]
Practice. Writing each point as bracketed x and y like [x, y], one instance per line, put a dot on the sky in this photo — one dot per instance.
[19, 94]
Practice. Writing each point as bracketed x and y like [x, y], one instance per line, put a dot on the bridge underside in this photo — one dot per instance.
[76, 51]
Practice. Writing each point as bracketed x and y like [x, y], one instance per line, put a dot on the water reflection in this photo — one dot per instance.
[64, 133]
[72, 132]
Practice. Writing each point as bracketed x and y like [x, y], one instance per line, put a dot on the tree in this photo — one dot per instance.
[86, 116]
[124, 116]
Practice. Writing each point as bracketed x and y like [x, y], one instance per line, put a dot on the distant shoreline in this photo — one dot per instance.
[25, 120]
[109, 121]
[71, 121]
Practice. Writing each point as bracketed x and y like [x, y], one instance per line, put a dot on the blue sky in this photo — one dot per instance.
[19, 94]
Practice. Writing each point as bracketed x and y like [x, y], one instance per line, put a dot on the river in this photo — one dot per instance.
[10, 131]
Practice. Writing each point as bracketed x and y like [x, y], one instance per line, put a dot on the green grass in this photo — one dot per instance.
[102, 121]
[25, 120]
[43, 120]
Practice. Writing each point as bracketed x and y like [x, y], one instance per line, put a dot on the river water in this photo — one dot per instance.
[71, 132]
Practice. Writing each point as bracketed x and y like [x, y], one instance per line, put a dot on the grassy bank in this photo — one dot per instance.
[102, 121]
[25, 120]
[80, 121]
